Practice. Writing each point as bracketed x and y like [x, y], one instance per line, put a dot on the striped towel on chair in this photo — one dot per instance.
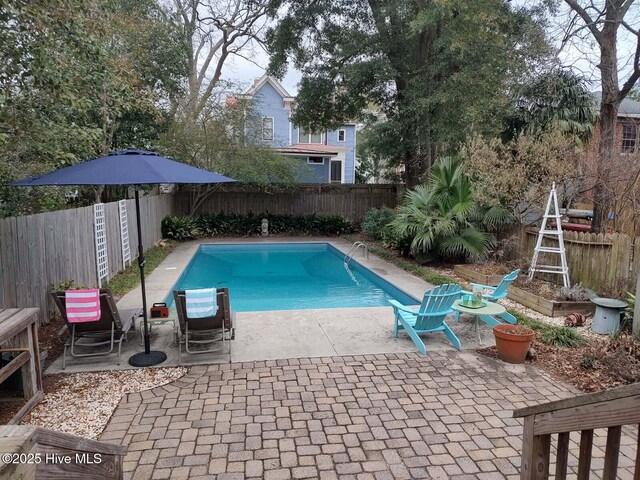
[82, 305]
[201, 303]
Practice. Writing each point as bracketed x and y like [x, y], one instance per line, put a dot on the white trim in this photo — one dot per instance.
[309, 162]
[290, 127]
[273, 129]
[344, 131]
[100, 237]
[355, 154]
[274, 83]
[124, 233]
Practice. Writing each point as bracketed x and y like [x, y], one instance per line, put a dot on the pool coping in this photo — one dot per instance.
[283, 334]
[379, 282]
[168, 272]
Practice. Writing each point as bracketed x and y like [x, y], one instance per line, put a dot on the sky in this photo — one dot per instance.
[246, 71]
[580, 55]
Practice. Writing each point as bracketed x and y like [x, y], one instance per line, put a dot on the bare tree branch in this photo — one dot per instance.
[633, 78]
[218, 30]
[591, 25]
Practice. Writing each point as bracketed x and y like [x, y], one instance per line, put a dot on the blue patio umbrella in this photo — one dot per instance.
[129, 167]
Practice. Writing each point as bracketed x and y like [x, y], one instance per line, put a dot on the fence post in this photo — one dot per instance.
[636, 310]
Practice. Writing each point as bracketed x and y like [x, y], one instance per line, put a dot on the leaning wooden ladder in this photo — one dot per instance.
[561, 269]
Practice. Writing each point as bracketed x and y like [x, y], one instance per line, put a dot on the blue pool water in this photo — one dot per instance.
[286, 276]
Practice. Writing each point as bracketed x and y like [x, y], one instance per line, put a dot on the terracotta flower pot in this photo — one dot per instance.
[512, 342]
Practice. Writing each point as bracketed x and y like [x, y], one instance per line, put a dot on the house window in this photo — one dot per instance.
[342, 135]
[629, 138]
[307, 136]
[267, 128]
[315, 161]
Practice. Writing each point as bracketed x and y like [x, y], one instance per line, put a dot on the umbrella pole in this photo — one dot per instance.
[147, 358]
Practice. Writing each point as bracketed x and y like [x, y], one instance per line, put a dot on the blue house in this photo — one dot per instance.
[327, 156]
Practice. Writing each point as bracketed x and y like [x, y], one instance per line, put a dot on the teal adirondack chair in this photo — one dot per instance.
[496, 293]
[429, 317]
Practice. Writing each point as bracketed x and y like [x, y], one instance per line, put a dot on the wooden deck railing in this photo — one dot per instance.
[33, 453]
[610, 409]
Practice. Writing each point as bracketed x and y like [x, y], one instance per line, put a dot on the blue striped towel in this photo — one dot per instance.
[201, 303]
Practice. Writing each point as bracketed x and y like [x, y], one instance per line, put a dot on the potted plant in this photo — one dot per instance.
[512, 342]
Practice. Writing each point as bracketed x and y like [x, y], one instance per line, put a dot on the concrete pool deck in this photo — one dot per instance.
[275, 335]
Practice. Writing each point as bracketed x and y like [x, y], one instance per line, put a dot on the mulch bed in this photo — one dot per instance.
[600, 365]
[542, 288]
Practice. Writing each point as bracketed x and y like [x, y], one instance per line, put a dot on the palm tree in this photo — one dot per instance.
[556, 100]
[442, 217]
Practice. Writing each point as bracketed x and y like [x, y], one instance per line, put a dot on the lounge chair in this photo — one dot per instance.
[429, 317]
[493, 294]
[109, 330]
[206, 330]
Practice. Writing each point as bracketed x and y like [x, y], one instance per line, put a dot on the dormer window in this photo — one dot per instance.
[342, 135]
[307, 136]
[267, 128]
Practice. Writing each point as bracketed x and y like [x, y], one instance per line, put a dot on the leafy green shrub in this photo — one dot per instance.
[376, 222]
[64, 285]
[577, 293]
[562, 337]
[631, 305]
[558, 337]
[589, 363]
[443, 219]
[213, 224]
[179, 228]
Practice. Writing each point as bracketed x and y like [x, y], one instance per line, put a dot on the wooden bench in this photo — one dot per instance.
[19, 337]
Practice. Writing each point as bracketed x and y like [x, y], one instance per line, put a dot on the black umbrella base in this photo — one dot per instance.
[150, 359]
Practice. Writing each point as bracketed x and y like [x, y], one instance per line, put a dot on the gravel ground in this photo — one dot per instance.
[82, 403]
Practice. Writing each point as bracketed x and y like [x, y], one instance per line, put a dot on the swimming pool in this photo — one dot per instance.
[286, 276]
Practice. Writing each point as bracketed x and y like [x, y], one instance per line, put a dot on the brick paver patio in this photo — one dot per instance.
[372, 417]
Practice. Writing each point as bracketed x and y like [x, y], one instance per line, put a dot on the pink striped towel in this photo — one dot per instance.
[82, 305]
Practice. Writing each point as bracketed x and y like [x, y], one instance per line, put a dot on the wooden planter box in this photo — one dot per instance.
[471, 275]
[550, 308]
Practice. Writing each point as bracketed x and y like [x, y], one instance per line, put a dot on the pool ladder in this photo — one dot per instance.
[353, 250]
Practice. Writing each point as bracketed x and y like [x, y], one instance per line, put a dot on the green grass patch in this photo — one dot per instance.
[129, 279]
[558, 337]
[427, 274]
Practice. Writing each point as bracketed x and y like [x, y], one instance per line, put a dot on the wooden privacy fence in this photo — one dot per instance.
[350, 201]
[604, 262]
[37, 250]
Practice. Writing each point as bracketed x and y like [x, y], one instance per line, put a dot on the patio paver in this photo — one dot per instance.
[391, 416]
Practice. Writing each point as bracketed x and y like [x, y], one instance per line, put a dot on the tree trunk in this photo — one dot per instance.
[606, 154]
[412, 172]
[602, 198]
[636, 312]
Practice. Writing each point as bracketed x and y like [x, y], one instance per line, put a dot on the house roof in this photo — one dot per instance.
[628, 107]
[257, 85]
[287, 99]
[310, 149]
